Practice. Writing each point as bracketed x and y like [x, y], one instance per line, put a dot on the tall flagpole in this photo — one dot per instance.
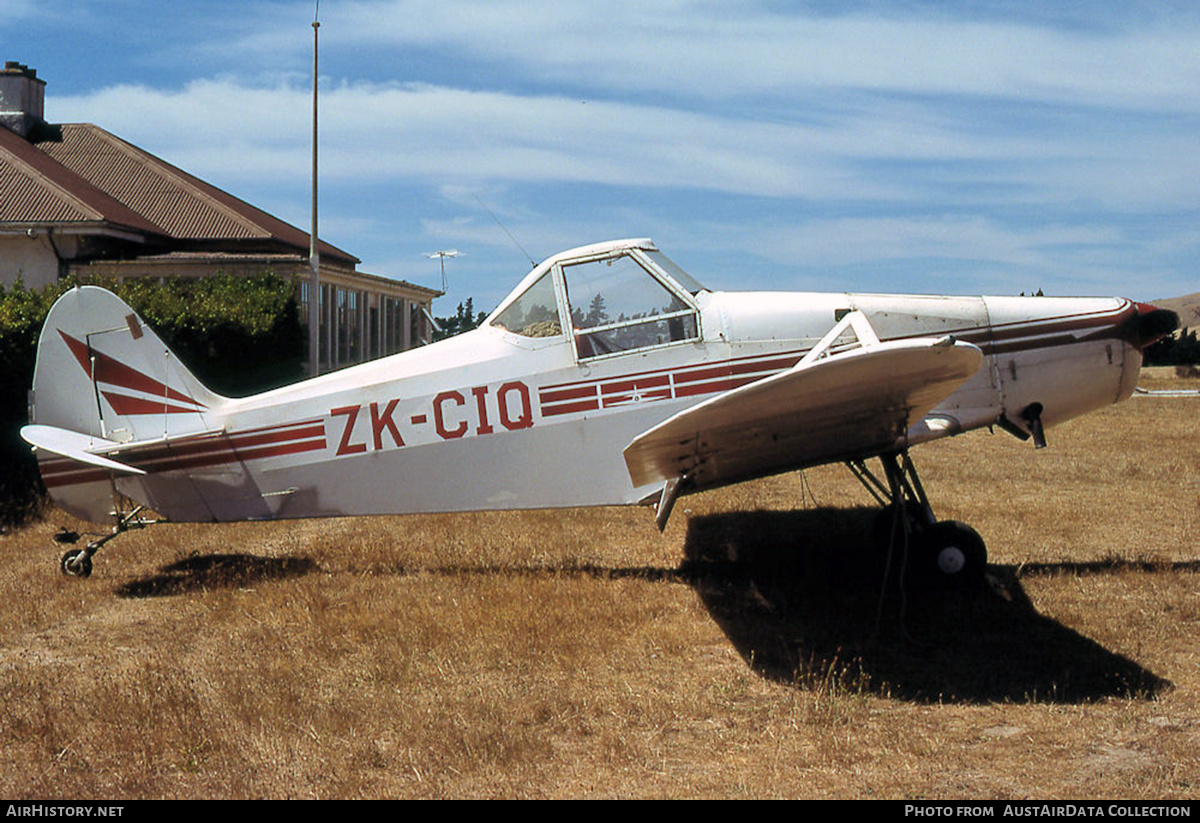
[314, 257]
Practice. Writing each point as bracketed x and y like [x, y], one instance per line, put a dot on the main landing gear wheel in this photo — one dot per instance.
[950, 554]
[943, 554]
[76, 563]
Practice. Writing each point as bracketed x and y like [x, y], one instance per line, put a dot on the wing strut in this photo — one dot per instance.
[855, 322]
[666, 501]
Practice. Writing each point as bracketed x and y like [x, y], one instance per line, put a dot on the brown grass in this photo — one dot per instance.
[1187, 307]
[746, 653]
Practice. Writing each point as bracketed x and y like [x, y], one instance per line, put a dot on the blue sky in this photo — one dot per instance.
[926, 147]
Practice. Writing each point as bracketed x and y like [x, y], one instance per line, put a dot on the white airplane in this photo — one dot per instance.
[609, 376]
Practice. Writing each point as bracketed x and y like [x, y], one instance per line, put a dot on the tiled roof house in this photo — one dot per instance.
[76, 199]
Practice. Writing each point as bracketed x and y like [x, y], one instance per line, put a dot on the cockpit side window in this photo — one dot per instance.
[618, 306]
[534, 313]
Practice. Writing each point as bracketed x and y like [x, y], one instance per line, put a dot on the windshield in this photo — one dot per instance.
[534, 313]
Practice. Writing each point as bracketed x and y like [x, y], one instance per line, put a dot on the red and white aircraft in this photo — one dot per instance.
[609, 376]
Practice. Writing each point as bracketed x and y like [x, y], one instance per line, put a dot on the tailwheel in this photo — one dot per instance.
[76, 563]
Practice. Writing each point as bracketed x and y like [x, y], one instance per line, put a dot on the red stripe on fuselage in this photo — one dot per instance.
[662, 384]
[195, 452]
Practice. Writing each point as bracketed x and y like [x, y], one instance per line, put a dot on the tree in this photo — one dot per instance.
[1182, 349]
[464, 319]
[597, 312]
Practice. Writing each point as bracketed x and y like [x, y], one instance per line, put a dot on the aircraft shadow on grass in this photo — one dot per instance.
[800, 595]
[802, 598]
[215, 571]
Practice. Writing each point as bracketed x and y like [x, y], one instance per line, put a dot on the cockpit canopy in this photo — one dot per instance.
[612, 298]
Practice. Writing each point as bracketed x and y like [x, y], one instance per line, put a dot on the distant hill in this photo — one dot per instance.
[1187, 307]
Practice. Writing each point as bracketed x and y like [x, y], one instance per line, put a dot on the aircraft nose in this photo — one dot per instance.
[1149, 324]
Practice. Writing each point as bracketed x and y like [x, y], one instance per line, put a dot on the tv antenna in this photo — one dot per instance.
[441, 255]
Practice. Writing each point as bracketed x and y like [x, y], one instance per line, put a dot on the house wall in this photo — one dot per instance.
[360, 324]
[30, 259]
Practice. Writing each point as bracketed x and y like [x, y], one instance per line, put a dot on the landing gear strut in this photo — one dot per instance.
[945, 553]
[78, 562]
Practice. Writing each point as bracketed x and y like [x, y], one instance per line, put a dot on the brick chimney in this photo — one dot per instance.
[22, 98]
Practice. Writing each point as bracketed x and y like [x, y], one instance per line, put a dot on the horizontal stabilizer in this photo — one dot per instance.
[84, 448]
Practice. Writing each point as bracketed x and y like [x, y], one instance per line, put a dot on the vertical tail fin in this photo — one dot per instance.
[104, 379]
[101, 371]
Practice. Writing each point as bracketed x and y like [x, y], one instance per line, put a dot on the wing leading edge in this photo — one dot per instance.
[824, 409]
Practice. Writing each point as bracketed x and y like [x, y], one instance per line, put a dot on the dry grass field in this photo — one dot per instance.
[749, 652]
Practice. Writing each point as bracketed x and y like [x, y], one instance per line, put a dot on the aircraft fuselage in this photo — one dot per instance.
[499, 418]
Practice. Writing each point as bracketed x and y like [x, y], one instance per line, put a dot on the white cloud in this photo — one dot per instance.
[875, 239]
[706, 50]
[375, 133]
[371, 132]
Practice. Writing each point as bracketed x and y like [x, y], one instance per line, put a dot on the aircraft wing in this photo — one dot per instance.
[848, 405]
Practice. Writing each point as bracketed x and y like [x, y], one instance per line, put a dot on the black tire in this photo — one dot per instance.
[73, 567]
[950, 554]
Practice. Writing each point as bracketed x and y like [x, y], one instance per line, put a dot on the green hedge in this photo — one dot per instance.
[238, 335]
